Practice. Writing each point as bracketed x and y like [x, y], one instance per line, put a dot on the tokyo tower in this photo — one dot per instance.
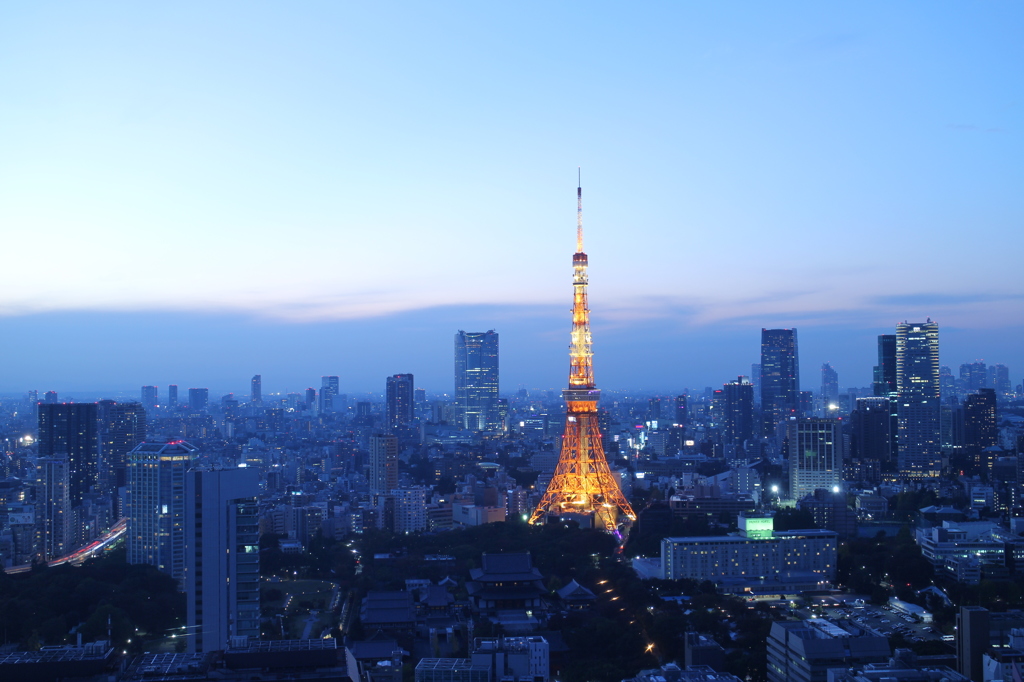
[583, 483]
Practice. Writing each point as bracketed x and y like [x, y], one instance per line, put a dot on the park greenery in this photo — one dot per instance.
[104, 599]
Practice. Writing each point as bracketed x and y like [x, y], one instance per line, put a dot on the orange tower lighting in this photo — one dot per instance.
[583, 483]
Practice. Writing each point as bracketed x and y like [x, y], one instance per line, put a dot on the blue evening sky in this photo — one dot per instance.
[195, 192]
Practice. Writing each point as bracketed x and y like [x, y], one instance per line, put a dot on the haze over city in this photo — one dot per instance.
[195, 194]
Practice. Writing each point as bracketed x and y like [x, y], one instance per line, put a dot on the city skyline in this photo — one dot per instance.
[186, 206]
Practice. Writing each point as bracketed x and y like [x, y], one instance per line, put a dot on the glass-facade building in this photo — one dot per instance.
[476, 380]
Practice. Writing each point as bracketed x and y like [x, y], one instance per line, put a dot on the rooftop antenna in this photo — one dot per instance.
[579, 210]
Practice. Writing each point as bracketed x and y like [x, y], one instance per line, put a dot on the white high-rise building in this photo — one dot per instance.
[155, 504]
[222, 556]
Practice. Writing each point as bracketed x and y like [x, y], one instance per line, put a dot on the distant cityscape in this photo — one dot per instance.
[201, 489]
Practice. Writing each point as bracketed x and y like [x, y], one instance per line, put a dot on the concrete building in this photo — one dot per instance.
[155, 505]
[758, 558]
[802, 651]
[222, 557]
[815, 456]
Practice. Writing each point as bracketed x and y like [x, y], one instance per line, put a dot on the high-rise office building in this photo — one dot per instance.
[738, 412]
[150, 397]
[1000, 381]
[122, 426]
[155, 505]
[198, 400]
[829, 385]
[311, 398]
[222, 557]
[256, 394]
[681, 410]
[872, 430]
[780, 378]
[172, 396]
[973, 376]
[383, 463]
[399, 400]
[68, 431]
[980, 430]
[917, 396]
[329, 388]
[476, 380]
[885, 370]
[815, 456]
[50, 397]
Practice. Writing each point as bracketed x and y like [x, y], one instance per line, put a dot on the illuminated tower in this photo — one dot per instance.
[583, 483]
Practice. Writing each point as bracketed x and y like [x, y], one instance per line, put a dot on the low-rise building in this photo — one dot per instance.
[758, 558]
[802, 651]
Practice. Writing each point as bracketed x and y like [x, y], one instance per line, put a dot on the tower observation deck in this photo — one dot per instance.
[583, 483]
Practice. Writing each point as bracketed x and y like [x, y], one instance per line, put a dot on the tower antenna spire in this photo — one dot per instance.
[579, 210]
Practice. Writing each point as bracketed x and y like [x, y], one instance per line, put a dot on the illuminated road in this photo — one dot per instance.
[92, 549]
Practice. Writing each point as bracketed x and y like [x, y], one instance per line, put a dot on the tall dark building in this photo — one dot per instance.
[872, 430]
[256, 394]
[67, 431]
[780, 378]
[399, 400]
[172, 396]
[829, 385]
[476, 380]
[885, 370]
[198, 400]
[917, 396]
[122, 426]
[50, 397]
[150, 397]
[738, 412]
[310, 398]
[980, 430]
[681, 410]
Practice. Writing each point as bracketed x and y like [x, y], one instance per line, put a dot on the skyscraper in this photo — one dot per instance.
[583, 483]
[1001, 381]
[68, 431]
[256, 394]
[872, 430]
[973, 376]
[399, 400]
[980, 430]
[780, 378]
[885, 370]
[329, 388]
[815, 458]
[917, 395]
[122, 426]
[155, 505]
[383, 463]
[150, 397]
[222, 556]
[53, 507]
[829, 385]
[476, 380]
[738, 412]
[172, 396]
[198, 400]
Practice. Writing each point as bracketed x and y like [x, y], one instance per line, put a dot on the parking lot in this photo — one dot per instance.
[877, 618]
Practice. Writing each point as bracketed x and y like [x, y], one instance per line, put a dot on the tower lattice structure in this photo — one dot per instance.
[583, 483]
